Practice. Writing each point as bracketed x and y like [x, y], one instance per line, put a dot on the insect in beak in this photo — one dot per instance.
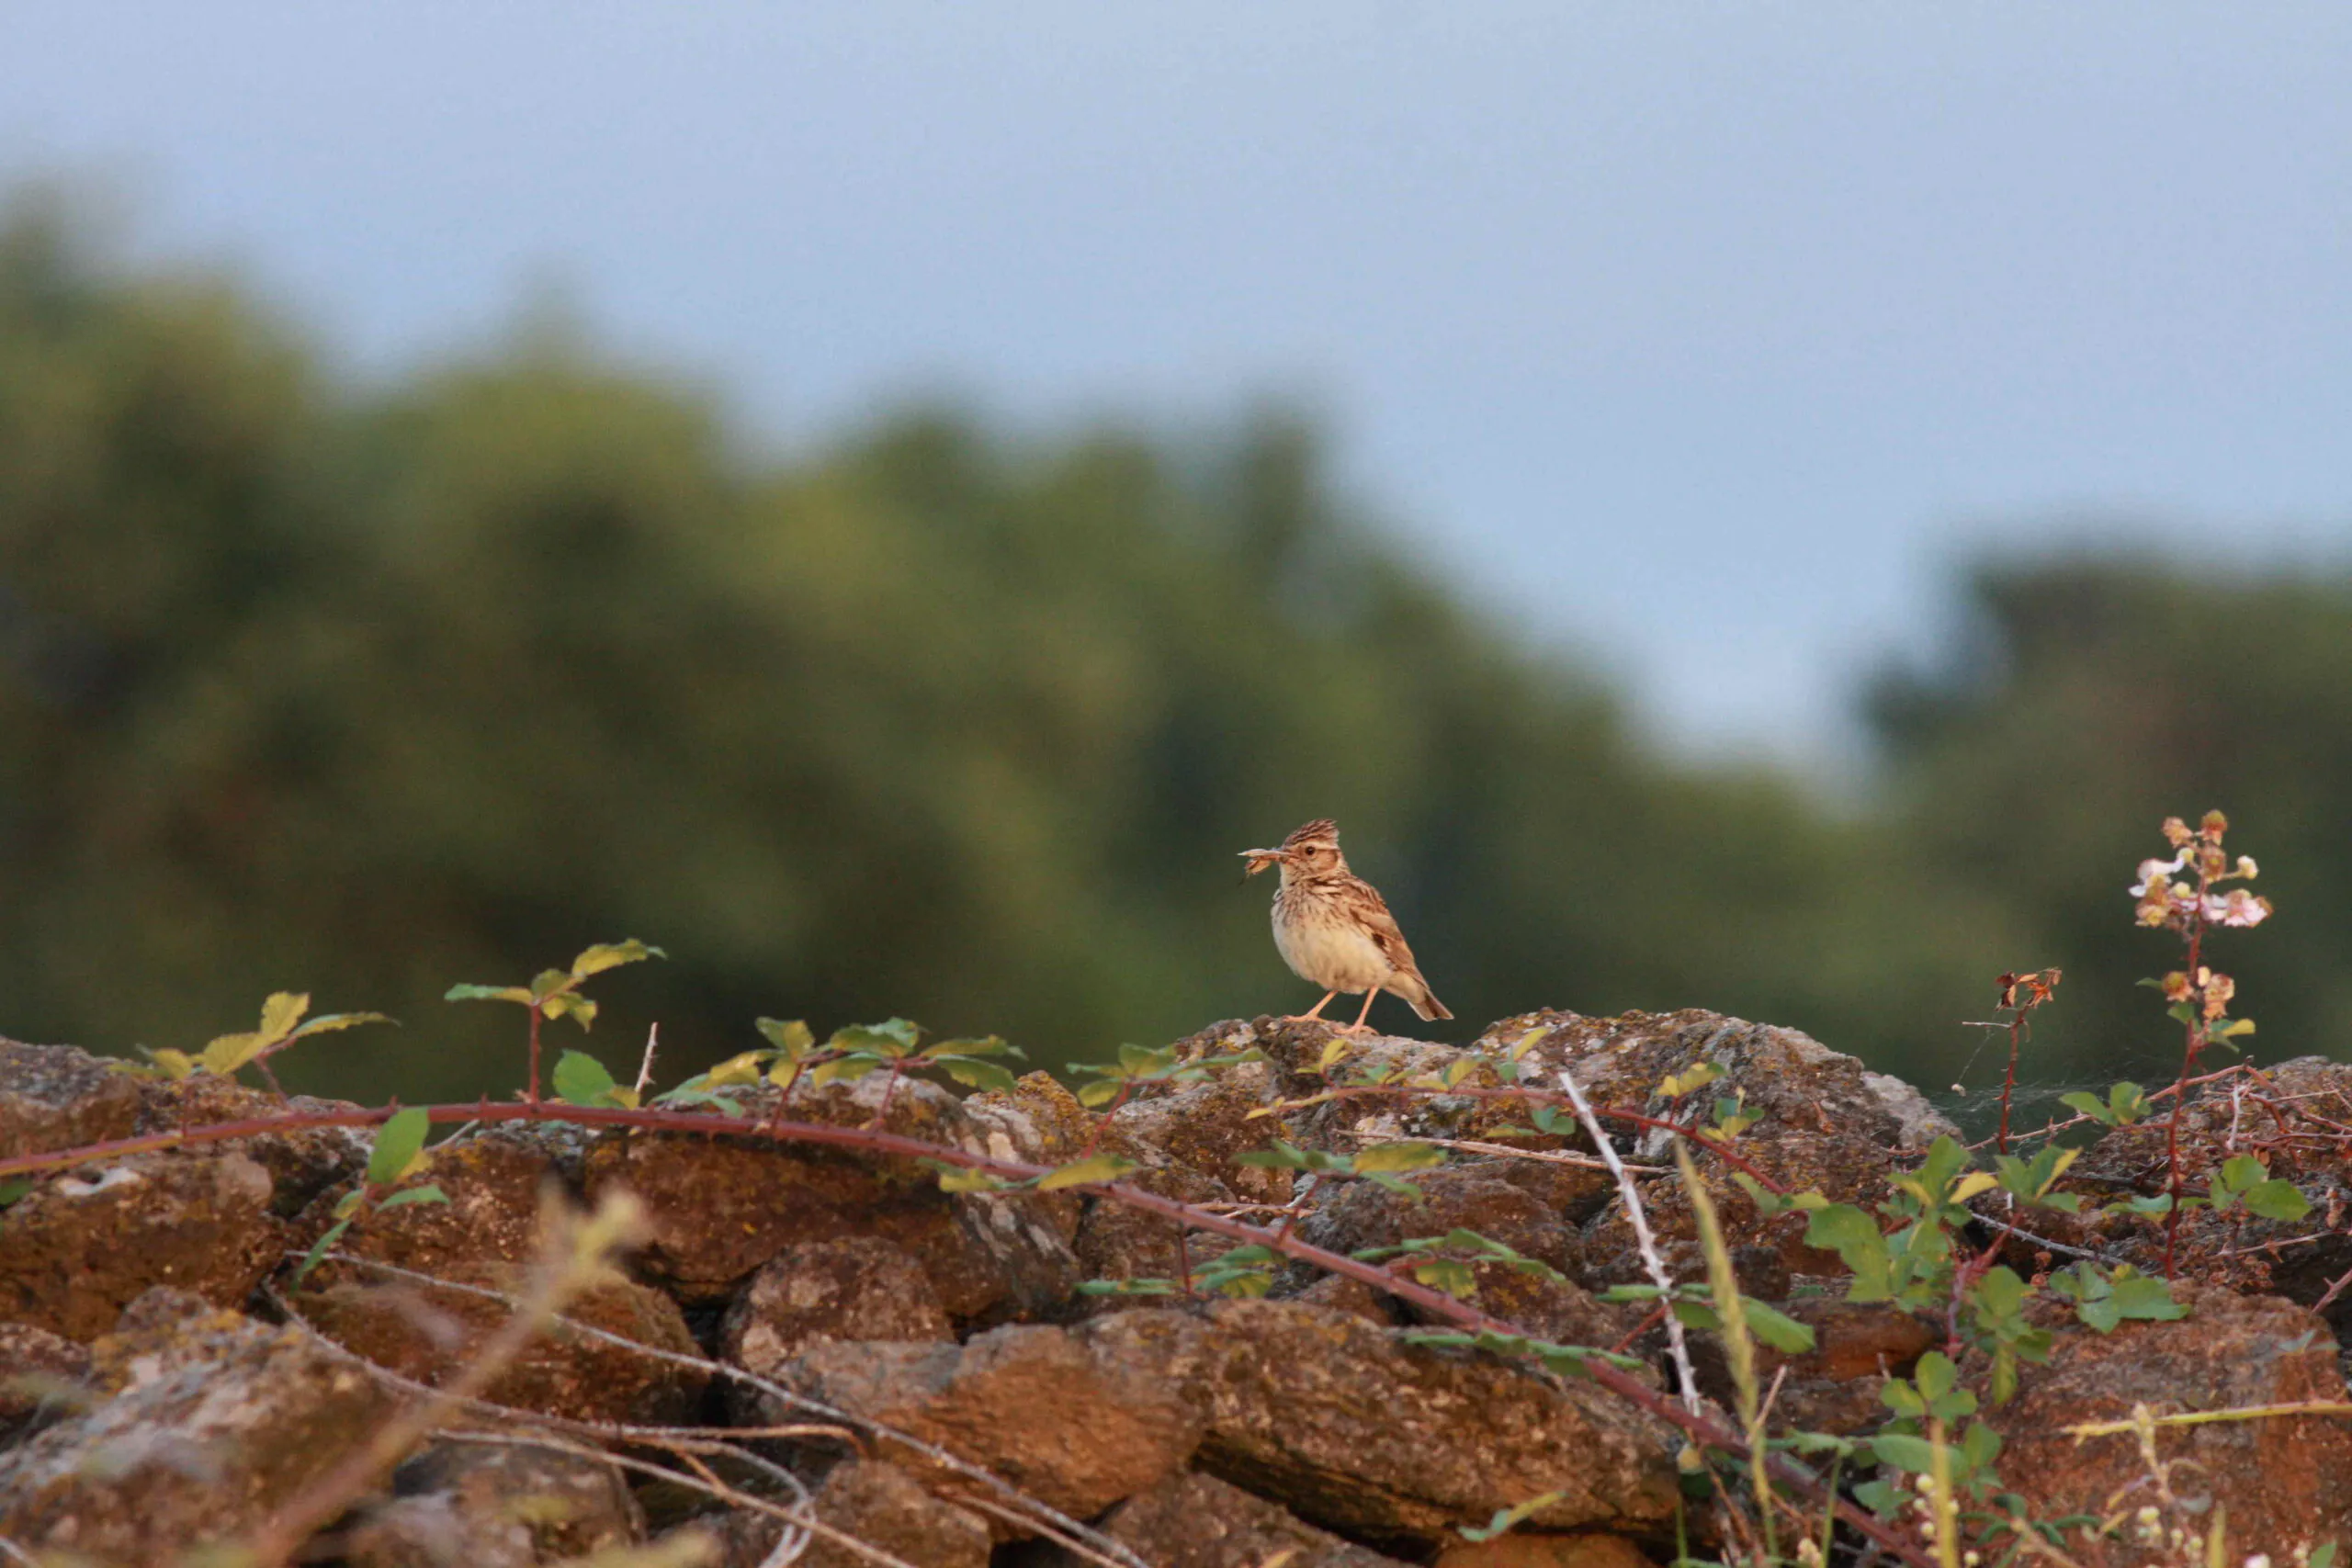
[1260, 859]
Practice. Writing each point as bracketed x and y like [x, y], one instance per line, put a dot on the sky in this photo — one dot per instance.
[1706, 339]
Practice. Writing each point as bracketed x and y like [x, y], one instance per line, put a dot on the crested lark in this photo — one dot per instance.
[1333, 928]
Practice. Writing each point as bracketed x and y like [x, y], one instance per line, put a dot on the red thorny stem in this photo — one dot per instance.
[1437, 1303]
[2194, 1030]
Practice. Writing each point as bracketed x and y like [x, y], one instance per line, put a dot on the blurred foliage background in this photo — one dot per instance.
[366, 689]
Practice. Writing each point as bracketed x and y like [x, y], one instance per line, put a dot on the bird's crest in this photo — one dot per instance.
[1322, 830]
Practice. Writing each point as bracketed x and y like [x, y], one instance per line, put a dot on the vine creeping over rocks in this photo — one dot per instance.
[1367, 1296]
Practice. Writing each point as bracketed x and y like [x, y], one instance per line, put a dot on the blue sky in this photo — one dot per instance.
[1705, 338]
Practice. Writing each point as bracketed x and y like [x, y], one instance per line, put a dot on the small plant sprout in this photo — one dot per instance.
[555, 992]
[398, 1155]
[2198, 994]
[282, 1025]
[2021, 994]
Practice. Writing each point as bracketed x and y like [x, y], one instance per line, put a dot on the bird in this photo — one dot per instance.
[1333, 929]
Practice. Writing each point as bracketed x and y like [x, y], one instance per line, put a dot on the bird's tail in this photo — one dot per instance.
[1418, 997]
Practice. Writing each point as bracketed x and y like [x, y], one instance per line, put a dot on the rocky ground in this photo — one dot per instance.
[924, 1368]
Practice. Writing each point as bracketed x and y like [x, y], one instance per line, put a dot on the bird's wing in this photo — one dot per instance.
[1386, 935]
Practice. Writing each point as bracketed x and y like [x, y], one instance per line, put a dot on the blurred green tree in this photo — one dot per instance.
[362, 690]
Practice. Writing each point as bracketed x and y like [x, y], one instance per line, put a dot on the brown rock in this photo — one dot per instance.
[54, 1096]
[493, 1185]
[496, 1506]
[1475, 1197]
[1827, 1125]
[1117, 1241]
[216, 1422]
[719, 1209]
[2285, 1480]
[1078, 1419]
[1531, 1548]
[1353, 1429]
[302, 1161]
[86, 1242]
[1835, 1386]
[882, 1505]
[1338, 1293]
[1206, 1127]
[42, 1379]
[426, 1333]
[821, 1293]
[1197, 1521]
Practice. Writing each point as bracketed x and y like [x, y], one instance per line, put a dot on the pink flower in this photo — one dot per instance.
[2235, 907]
[2151, 870]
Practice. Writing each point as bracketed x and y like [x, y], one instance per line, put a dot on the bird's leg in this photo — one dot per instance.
[1315, 1013]
[1358, 1026]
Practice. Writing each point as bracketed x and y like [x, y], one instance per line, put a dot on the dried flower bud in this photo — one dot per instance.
[2246, 868]
[2213, 827]
[2177, 832]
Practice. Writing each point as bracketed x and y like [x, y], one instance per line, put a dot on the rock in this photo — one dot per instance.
[1206, 1127]
[496, 1506]
[1078, 1419]
[42, 1379]
[872, 1501]
[1533, 1549]
[54, 1096]
[720, 1207]
[1351, 1428]
[1340, 1293]
[426, 1333]
[1358, 1215]
[883, 1506]
[215, 1421]
[302, 1162]
[1827, 1125]
[2285, 1480]
[494, 1187]
[1197, 1521]
[821, 1293]
[1118, 1241]
[1835, 1386]
[86, 1242]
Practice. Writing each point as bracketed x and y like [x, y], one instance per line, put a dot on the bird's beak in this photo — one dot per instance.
[1260, 859]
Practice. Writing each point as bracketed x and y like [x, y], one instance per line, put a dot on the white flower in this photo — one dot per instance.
[2150, 870]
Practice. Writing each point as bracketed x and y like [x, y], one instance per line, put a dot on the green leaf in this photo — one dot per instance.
[329, 1022]
[282, 1011]
[1904, 1452]
[1281, 1157]
[2089, 1105]
[1396, 1157]
[398, 1146]
[1100, 1093]
[2242, 1171]
[1099, 1168]
[549, 983]
[2276, 1200]
[976, 1075]
[580, 1079]
[14, 1190]
[690, 1093]
[1698, 1315]
[1698, 1075]
[428, 1193]
[741, 1070]
[2324, 1556]
[789, 1036]
[611, 956]
[1855, 1237]
[846, 1069]
[1505, 1518]
[2138, 1296]
[571, 1005]
[1776, 1328]
[894, 1037]
[1449, 1275]
[489, 994]
[964, 1178]
[1127, 1288]
[319, 1249]
[227, 1053]
[986, 1045]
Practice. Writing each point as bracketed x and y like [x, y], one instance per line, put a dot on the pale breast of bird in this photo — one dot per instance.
[1334, 953]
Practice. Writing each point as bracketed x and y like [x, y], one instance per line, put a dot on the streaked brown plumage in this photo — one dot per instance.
[1333, 928]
